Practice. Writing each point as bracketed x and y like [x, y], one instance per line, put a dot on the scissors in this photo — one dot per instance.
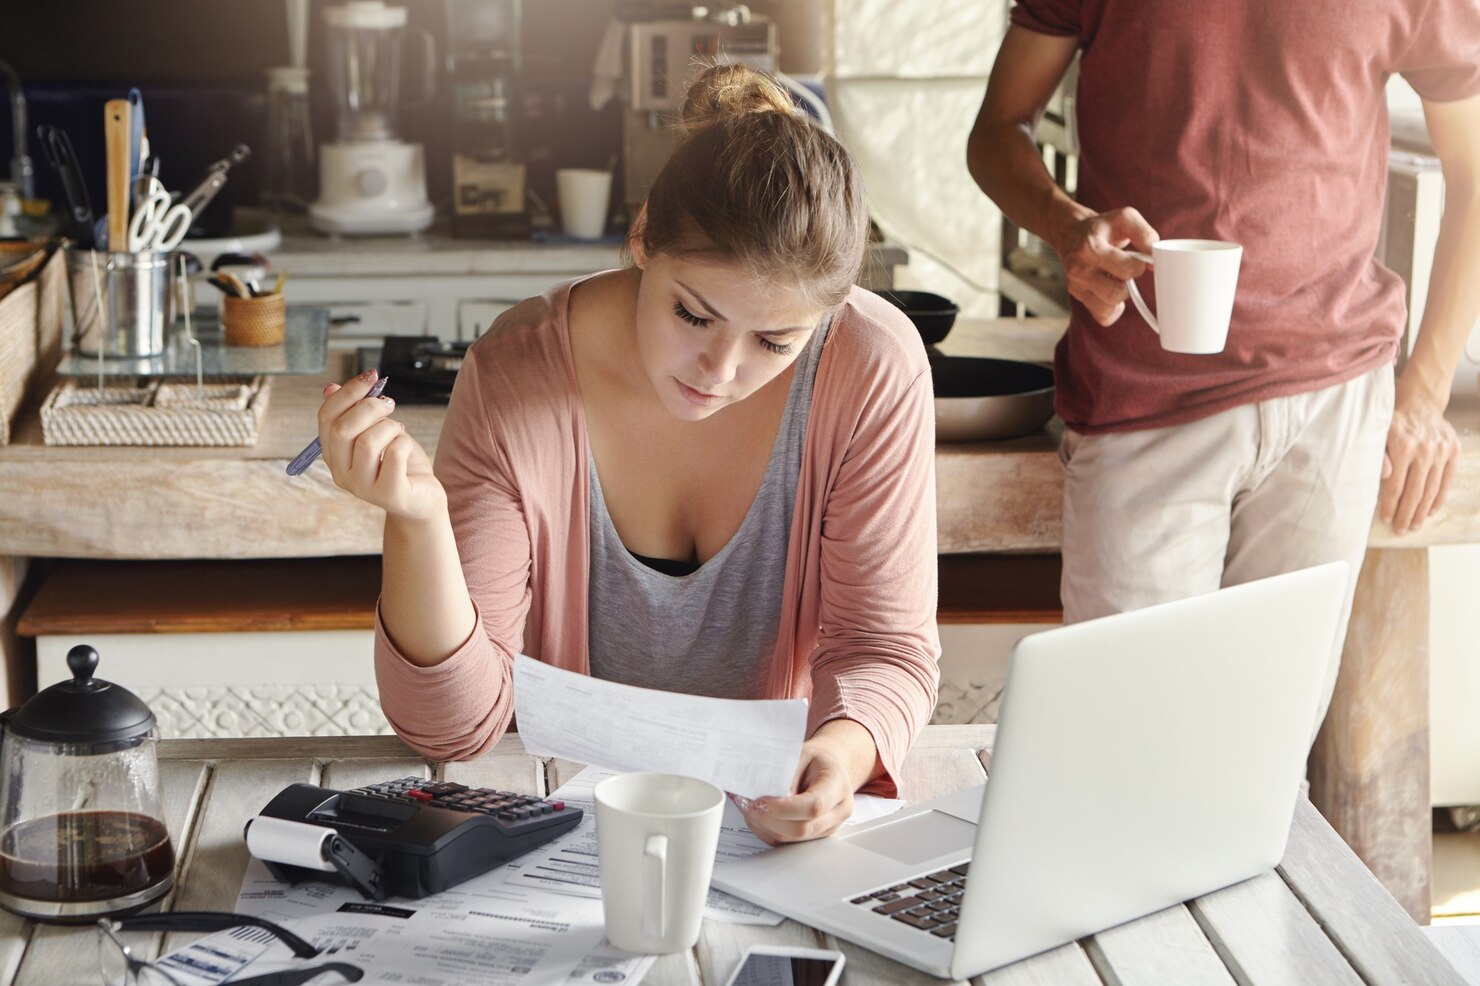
[157, 225]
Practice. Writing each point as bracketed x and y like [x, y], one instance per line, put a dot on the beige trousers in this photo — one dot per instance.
[1254, 491]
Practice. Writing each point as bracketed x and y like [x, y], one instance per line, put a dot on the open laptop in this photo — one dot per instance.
[1141, 760]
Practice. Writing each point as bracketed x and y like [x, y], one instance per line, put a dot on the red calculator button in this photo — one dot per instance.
[420, 795]
[558, 805]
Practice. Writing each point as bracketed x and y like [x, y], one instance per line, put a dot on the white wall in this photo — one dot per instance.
[905, 78]
[1454, 673]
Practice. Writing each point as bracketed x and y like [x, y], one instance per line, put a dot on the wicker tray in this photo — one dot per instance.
[31, 318]
[156, 411]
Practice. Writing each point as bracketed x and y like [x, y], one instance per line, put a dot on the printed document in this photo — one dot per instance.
[749, 748]
[479, 931]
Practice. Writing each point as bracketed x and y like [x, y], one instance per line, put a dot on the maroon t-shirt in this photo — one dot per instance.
[1264, 123]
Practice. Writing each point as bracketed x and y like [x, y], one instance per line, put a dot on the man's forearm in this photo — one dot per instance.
[1453, 301]
[1008, 166]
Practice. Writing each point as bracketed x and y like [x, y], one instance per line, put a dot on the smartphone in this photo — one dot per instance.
[775, 965]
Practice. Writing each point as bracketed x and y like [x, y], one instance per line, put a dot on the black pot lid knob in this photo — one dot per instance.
[83, 661]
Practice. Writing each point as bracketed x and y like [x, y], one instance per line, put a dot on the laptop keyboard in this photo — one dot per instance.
[930, 903]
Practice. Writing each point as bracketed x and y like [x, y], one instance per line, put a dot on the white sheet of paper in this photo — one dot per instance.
[216, 958]
[580, 955]
[534, 941]
[867, 807]
[749, 748]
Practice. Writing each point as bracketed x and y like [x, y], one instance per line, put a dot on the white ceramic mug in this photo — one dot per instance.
[584, 197]
[655, 840]
[1195, 283]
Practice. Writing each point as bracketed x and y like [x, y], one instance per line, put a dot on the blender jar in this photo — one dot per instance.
[364, 43]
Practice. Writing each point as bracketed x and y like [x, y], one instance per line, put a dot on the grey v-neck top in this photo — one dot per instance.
[708, 632]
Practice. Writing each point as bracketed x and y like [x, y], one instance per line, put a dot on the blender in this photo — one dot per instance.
[370, 181]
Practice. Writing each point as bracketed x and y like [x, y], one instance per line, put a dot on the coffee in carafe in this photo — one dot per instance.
[83, 856]
[81, 835]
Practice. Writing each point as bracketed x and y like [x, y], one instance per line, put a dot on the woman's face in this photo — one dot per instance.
[710, 335]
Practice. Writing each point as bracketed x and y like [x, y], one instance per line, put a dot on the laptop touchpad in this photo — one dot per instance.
[912, 840]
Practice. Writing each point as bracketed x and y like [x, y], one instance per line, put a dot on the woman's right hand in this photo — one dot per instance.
[372, 456]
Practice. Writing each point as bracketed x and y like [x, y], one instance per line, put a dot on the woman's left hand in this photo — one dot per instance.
[835, 762]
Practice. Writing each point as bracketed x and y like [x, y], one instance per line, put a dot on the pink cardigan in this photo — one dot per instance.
[857, 634]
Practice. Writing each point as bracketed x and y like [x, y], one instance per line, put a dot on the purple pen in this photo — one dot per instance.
[311, 451]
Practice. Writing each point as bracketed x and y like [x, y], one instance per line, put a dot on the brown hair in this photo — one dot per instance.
[754, 181]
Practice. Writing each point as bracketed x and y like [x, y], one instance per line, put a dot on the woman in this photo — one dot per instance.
[711, 471]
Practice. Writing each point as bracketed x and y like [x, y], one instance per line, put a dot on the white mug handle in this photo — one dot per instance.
[1136, 298]
[656, 909]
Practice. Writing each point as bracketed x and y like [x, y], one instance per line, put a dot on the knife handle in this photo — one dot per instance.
[116, 131]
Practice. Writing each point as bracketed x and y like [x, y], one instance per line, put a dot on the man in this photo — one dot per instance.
[1265, 124]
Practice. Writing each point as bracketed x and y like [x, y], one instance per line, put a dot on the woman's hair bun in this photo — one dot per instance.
[731, 90]
[752, 180]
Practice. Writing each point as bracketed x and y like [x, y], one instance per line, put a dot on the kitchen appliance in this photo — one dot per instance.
[81, 832]
[288, 171]
[489, 158]
[22, 171]
[664, 46]
[370, 181]
[422, 369]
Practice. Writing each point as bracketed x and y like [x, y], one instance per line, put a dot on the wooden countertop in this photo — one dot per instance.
[237, 503]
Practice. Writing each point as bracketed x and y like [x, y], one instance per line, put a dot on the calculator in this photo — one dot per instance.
[423, 836]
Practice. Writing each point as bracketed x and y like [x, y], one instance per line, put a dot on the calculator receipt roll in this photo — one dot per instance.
[279, 840]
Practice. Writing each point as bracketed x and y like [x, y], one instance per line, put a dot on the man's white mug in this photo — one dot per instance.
[1195, 283]
[655, 840]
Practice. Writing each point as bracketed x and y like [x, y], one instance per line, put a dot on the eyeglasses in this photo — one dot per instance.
[120, 967]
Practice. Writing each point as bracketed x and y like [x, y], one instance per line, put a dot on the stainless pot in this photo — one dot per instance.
[978, 399]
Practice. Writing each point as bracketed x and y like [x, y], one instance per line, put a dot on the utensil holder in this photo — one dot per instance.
[259, 321]
[118, 302]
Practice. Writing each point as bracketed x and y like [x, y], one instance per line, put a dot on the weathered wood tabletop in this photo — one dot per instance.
[1321, 918]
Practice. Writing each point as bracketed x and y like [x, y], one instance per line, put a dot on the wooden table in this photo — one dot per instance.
[1320, 918]
[1370, 767]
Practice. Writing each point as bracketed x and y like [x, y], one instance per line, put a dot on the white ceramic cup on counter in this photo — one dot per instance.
[584, 198]
[1195, 285]
[656, 835]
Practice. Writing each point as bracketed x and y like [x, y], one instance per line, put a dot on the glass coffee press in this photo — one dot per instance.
[81, 832]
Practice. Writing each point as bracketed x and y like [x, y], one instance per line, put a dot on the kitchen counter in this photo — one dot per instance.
[308, 254]
[237, 503]
[1369, 769]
